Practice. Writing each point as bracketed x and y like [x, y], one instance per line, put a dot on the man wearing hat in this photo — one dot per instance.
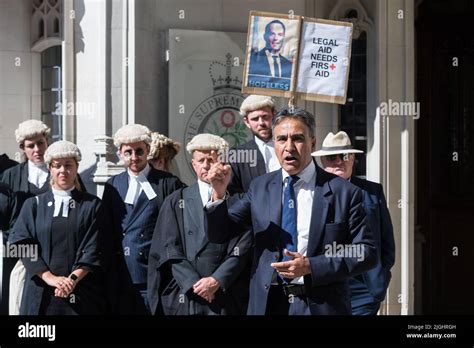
[204, 275]
[134, 199]
[257, 112]
[295, 213]
[367, 289]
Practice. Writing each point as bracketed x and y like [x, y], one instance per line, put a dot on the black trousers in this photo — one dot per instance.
[280, 304]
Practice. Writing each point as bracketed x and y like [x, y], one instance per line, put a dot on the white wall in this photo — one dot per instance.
[15, 81]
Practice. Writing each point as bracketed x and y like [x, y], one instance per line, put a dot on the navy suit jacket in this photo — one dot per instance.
[243, 173]
[337, 216]
[378, 218]
[259, 64]
[133, 230]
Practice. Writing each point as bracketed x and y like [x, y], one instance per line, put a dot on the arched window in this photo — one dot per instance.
[45, 19]
[56, 26]
[40, 29]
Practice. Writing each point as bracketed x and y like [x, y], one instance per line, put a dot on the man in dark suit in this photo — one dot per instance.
[310, 233]
[367, 289]
[269, 61]
[183, 263]
[257, 112]
[134, 199]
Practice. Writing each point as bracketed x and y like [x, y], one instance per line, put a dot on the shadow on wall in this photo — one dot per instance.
[79, 11]
[87, 177]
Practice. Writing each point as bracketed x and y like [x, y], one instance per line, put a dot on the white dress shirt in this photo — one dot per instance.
[37, 174]
[137, 184]
[205, 190]
[268, 152]
[304, 192]
[270, 58]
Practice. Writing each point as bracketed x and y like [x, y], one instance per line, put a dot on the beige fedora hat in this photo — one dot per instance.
[336, 143]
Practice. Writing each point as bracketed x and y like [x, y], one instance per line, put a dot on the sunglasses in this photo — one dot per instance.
[138, 152]
[342, 156]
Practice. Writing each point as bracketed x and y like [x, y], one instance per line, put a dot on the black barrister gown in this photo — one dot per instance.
[8, 212]
[181, 254]
[6, 163]
[16, 178]
[85, 245]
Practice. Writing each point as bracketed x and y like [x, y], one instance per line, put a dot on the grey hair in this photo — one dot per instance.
[295, 113]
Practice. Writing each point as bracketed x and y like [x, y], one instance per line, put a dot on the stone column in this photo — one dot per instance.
[94, 71]
[396, 81]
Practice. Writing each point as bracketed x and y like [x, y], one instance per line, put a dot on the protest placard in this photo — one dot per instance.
[323, 64]
[272, 48]
[297, 57]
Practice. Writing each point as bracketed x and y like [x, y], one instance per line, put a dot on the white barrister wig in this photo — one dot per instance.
[62, 149]
[132, 133]
[30, 129]
[255, 102]
[207, 142]
[159, 141]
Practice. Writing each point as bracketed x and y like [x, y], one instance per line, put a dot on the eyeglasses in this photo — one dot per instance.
[138, 152]
[342, 156]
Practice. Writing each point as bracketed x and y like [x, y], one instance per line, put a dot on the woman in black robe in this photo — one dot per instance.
[63, 237]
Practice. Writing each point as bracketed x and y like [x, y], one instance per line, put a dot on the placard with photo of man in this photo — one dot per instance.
[272, 47]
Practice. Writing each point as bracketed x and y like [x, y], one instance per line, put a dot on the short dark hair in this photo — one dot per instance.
[267, 28]
[306, 117]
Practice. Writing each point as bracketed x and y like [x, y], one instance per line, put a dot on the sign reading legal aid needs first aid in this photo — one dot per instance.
[305, 58]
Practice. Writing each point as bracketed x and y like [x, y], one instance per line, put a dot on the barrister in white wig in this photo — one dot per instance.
[134, 199]
[187, 274]
[32, 175]
[27, 179]
[64, 242]
[257, 112]
[162, 151]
